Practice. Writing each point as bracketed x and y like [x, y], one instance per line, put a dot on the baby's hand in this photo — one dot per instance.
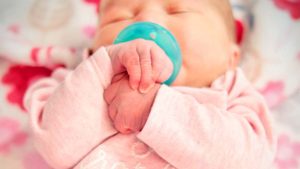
[144, 61]
[128, 108]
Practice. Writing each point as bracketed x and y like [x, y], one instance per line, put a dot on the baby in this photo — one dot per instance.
[113, 112]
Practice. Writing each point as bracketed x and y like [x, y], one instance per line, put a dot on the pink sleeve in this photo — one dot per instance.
[65, 111]
[225, 126]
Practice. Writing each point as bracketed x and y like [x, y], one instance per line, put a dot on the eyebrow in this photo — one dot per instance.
[108, 3]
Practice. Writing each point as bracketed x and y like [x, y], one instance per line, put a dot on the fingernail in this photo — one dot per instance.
[134, 86]
[125, 131]
[146, 90]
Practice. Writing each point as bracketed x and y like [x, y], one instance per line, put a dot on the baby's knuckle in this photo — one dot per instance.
[145, 61]
[130, 53]
[144, 43]
[150, 42]
[135, 73]
[139, 40]
[133, 61]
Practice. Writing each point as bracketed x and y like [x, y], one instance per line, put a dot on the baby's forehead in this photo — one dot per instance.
[110, 3]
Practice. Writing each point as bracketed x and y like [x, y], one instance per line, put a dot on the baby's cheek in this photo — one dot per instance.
[101, 41]
[181, 79]
[106, 34]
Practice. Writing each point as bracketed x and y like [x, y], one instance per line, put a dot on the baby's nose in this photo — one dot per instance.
[152, 15]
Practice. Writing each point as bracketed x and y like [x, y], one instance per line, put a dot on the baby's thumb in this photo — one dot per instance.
[110, 93]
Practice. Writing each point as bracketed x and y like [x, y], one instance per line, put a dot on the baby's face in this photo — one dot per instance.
[207, 48]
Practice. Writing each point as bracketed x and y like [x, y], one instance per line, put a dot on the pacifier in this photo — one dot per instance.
[158, 34]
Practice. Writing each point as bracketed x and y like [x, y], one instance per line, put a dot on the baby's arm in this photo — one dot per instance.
[67, 112]
[211, 129]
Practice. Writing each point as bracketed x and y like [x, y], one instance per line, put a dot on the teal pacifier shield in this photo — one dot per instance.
[161, 36]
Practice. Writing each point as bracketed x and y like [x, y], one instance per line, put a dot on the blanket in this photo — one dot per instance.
[39, 36]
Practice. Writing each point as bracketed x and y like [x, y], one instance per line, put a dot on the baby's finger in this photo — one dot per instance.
[132, 64]
[162, 65]
[120, 125]
[112, 111]
[115, 51]
[146, 82]
[110, 92]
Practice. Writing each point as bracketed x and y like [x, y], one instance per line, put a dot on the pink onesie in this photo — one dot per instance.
[226, 126]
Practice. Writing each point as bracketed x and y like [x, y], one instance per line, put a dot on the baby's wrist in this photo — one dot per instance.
[150, 97]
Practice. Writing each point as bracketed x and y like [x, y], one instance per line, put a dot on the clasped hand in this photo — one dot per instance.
[139, 67]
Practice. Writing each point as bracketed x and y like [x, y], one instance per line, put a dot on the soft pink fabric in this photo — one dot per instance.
[226, 126]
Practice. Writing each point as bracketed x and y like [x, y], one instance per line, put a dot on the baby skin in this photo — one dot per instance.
[130, 100]
[112, 111]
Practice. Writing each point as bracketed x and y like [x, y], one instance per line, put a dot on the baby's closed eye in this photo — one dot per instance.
[117, 15]
[178, 8]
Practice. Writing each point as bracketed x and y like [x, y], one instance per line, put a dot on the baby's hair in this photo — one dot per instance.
[225, 10]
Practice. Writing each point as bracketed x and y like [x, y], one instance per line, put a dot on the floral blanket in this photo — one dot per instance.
[37, 36]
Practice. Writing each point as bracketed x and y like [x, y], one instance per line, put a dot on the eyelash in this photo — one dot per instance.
[178, 12]
[118, 19]
[174, 9]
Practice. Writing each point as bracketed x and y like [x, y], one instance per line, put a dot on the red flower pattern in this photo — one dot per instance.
[19, 77]
[240, 28]
[293, 7]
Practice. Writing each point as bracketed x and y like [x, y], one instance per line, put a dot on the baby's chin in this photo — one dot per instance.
[185, 78]
[200, 79]
[197, 83]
